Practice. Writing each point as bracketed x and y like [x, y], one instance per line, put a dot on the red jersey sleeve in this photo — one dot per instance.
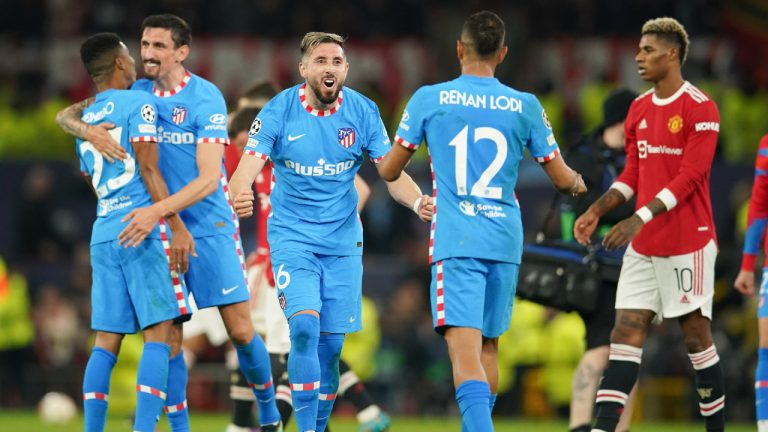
[628, 176]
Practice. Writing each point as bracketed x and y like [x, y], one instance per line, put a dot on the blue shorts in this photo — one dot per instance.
[762, 308]
[330, 285]
[472, 292]
[133, 288]
[216, 277]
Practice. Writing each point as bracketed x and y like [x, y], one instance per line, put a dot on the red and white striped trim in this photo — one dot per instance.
[143, 138]
[236, 221]
[405, 143]
[262, 386]
[704, 359]
[306, 387]
[170, 409]
[761, 384]
[614, 396]
[169, 93]
[434, 212]
[178, 290]
[440, 296]
[224, 141]
[548, 157]
[261, 156]
[314, 111]
[283, 393]
[377, 160]
[698, 275]
[621, 352]
[707, 409]
[326, 397]
[153, 391]
[96, 395]
[241, 393]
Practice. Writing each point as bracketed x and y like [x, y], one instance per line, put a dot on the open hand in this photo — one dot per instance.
[104, 143]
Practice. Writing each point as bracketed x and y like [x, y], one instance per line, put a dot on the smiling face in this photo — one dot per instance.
[159, 54]
[655, 58]
[325, 69]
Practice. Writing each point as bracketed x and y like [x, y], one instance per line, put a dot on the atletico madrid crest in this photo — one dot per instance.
[346, 137]
[179, 114]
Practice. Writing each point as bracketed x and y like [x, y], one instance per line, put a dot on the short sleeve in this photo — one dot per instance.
[541, 140]
[142, 120]
[377, 144]
[410, 131]
[264, 130]
[211, 120]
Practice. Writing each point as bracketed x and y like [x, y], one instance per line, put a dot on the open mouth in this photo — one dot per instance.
[151, 63]
[329, 82]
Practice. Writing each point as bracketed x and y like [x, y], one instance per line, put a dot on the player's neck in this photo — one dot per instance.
[668, 85]
[114, 82]
[171, 79]
[478, 68]
[316, 103]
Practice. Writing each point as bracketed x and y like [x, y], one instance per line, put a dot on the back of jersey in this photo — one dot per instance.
[118, 185]
[476, 130]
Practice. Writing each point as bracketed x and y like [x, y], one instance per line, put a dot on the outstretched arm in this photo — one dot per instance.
[68, 120]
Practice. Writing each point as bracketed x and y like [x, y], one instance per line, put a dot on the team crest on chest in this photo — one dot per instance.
[178, 114]
[346, 137]
[675, 124]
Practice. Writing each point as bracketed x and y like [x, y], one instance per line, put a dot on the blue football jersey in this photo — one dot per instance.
[192, 114]
[316, 155]
[118, 185]
[476, 130]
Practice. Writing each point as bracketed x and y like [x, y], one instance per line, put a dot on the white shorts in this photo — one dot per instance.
[670, 286]
[266, 314]
[206, 322]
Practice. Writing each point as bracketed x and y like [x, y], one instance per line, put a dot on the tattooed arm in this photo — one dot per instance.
[68, 120]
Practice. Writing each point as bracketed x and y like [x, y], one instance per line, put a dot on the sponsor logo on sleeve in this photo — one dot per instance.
[147, 129]
[218, 119]
[707, 126]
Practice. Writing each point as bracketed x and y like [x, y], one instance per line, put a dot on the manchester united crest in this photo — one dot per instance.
[675, 124]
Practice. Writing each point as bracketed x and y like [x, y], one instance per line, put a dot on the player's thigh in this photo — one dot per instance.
[156, 294]
[297, 279]
[638, 287]
[216, 276]
[501, 282]
[341, 291]
[457, 293]
[687, 281]
[111, 306]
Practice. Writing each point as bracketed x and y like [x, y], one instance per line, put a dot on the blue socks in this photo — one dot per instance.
[254, 363]
[328, 352]
[176, 403]
[96, 388]
[304, 369]
[761, 384]
[473, 398]
[151, 384]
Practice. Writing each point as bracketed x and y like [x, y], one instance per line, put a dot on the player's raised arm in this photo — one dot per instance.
[240, 185]
[68, 120]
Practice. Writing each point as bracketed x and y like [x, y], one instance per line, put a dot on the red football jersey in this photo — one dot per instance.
[670, 144]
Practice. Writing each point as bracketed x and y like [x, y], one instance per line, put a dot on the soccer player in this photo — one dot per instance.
[316, 135]
[668, 269]
[476, 130]
[192, 133]
[132, 288]
[745, 281]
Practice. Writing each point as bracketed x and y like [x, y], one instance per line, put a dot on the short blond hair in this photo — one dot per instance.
[671, 31]
[312, 39]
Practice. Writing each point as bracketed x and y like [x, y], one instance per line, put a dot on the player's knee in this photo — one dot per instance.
[696, 343]
[241, 334]
[626, 335]
[331, 344]
[305, 333]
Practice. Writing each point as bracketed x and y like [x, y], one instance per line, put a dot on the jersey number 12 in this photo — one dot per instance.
[480, 188]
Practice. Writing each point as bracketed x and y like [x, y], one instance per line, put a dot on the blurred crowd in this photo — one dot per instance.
[47, 210]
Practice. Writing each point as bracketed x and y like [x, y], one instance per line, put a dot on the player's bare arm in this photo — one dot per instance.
[405, 191]
[142, 220]
[394, 162]
[182, 243]
[565, 180]
[363, 192]
[623, 232]
[68, 120]
[585, 224]
[240, 189]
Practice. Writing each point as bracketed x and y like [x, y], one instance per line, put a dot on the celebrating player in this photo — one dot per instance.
[192, 133]
[316, 136]
[132, 288]
[476, 130]
[668, 269]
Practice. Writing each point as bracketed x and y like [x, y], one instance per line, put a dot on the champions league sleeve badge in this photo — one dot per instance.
[255, 127]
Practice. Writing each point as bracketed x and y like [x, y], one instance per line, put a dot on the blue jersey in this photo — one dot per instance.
[316, 155]
[476, 130]
[118, 185]
[192, 114]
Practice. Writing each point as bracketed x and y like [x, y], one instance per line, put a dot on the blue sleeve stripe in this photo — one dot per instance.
[762, 152]
[753, 236]
[760, 172]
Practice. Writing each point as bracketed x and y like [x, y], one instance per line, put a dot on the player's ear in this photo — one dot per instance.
[183, 53]
[502, 54]
[459, 50]
[302, 69]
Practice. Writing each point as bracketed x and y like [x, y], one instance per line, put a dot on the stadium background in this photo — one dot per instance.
[570, 53]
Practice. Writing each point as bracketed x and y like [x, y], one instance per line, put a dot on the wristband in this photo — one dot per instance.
[645, 214]
[416, 205]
